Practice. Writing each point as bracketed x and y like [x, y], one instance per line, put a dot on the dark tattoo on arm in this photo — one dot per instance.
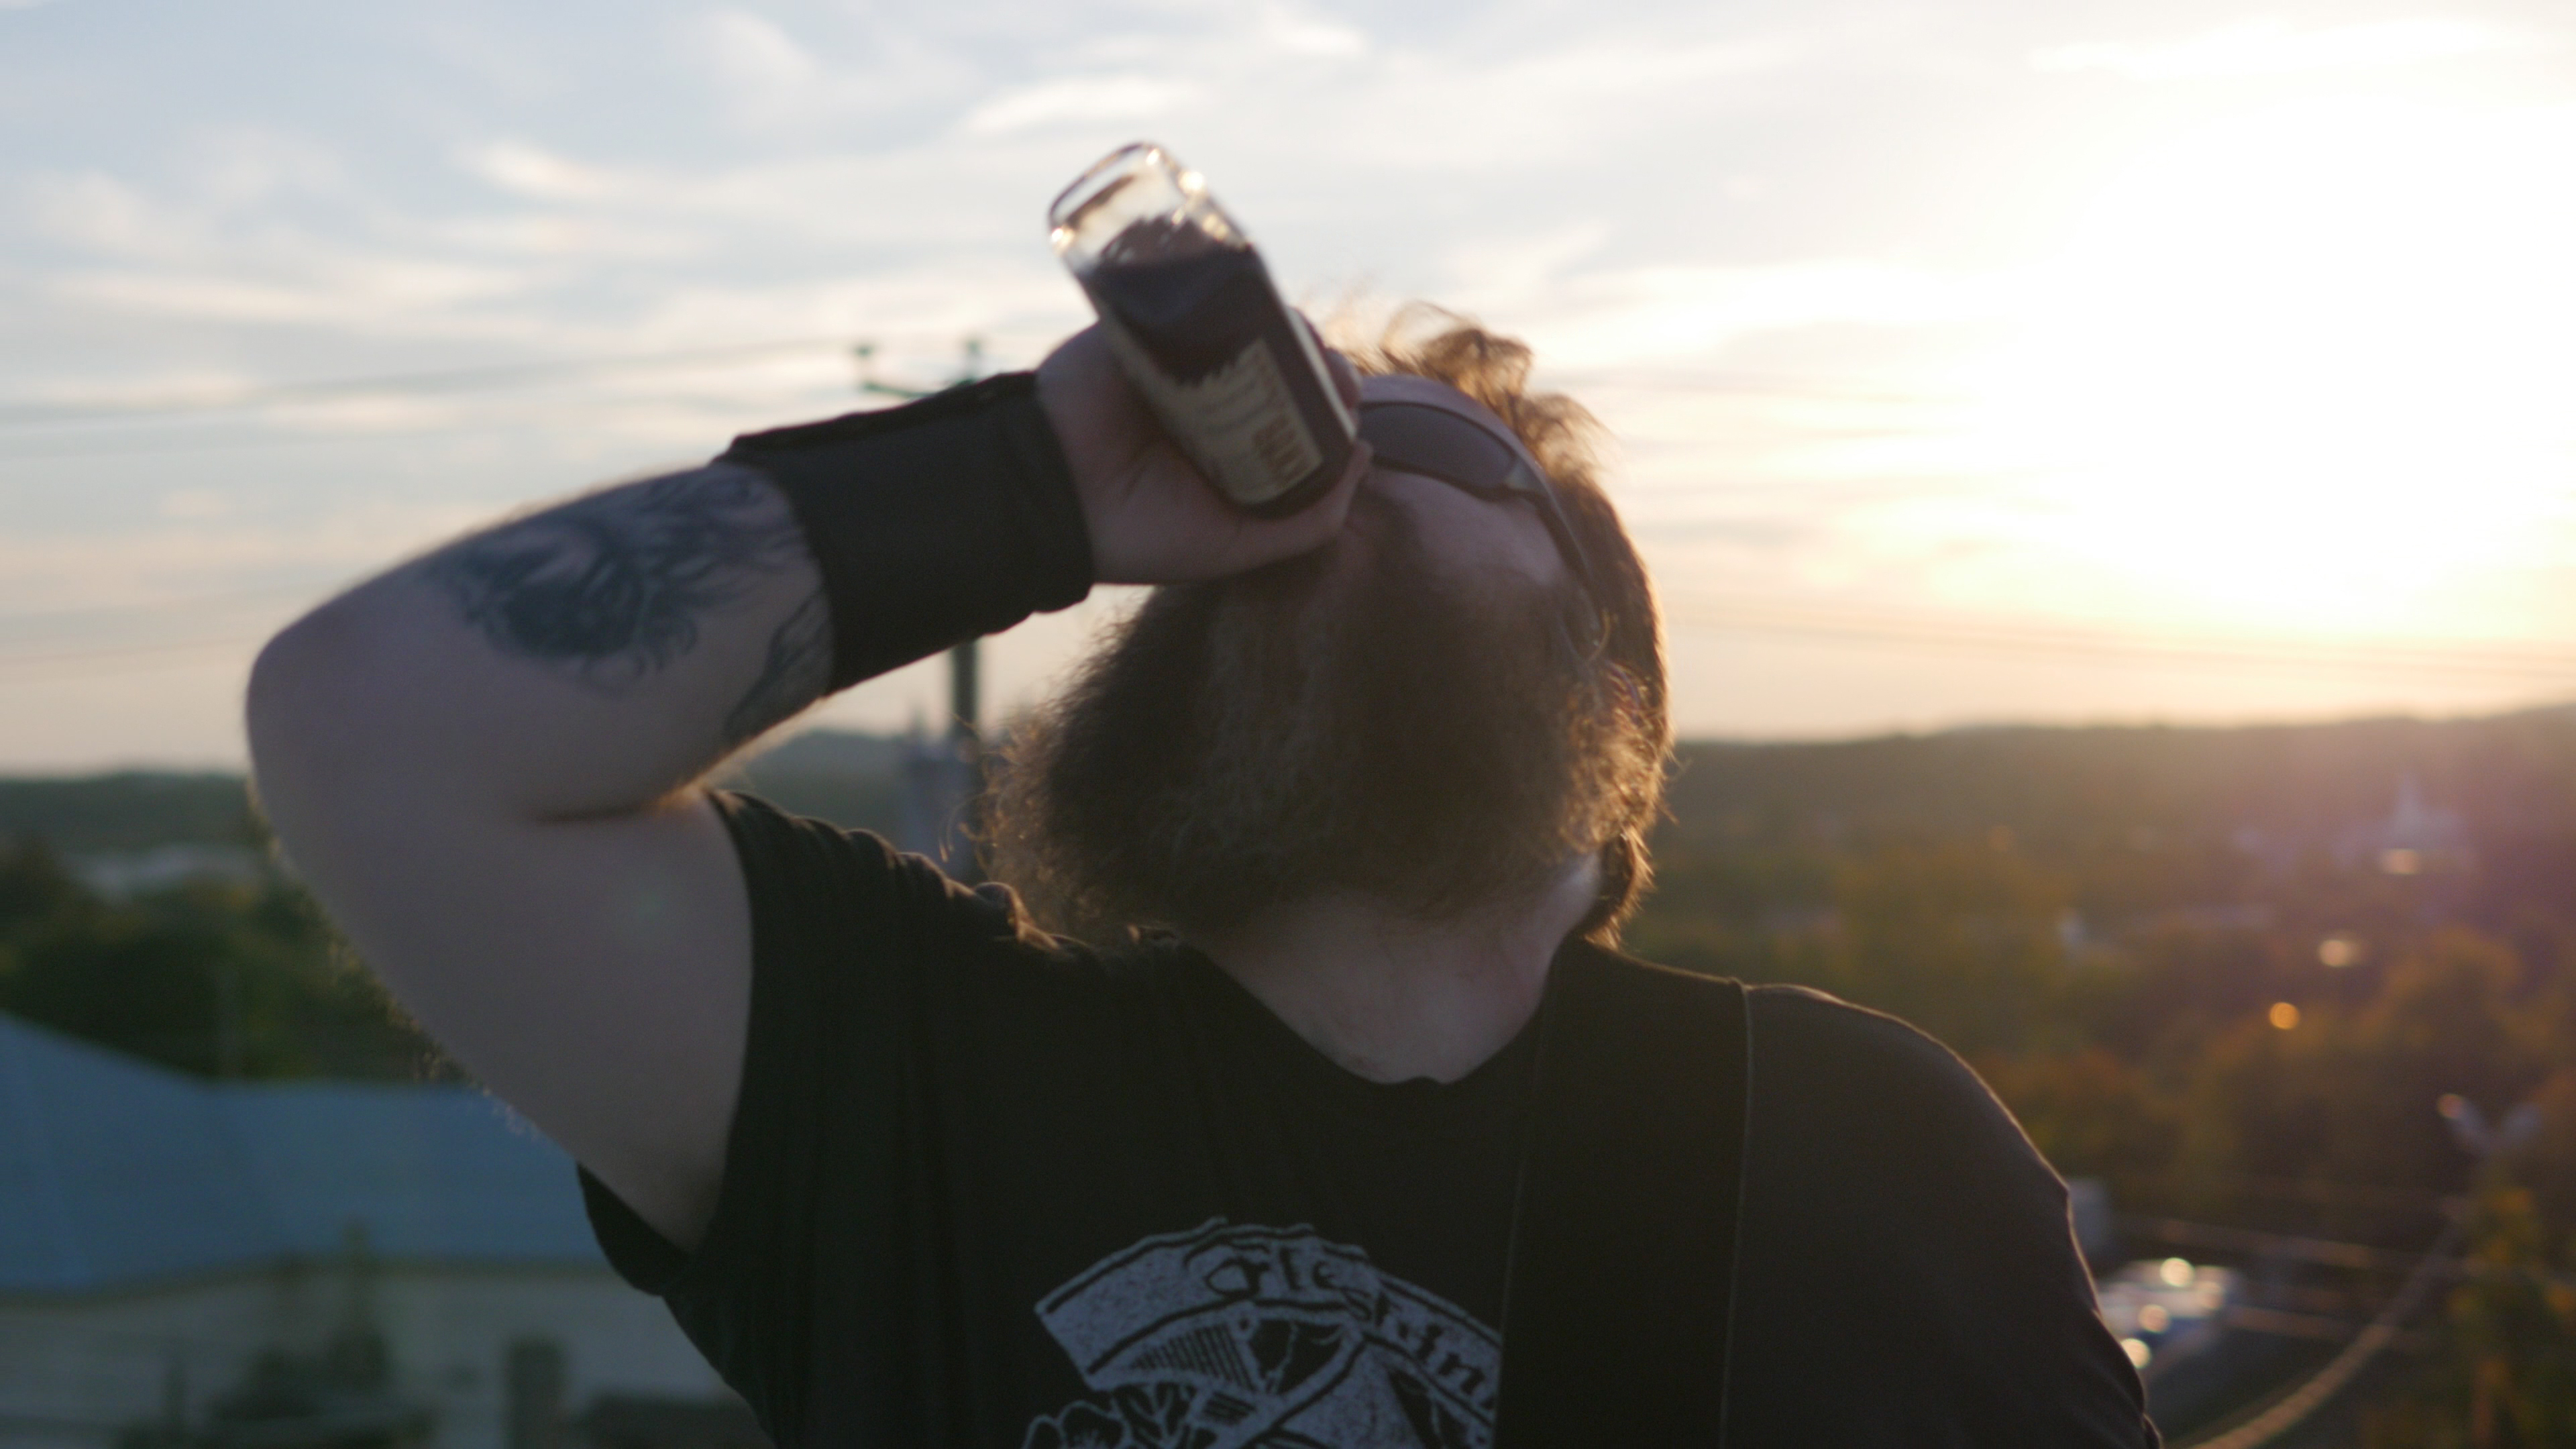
[795, 674]
[610, 589]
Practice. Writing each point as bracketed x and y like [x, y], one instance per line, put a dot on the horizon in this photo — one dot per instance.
[790, 735]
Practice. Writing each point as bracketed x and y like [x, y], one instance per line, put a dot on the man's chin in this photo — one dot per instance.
[1314, 726]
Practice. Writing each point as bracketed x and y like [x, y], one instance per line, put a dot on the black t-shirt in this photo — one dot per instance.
[988, 1188]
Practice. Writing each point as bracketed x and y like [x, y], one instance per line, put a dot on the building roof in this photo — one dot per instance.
[115, 1172]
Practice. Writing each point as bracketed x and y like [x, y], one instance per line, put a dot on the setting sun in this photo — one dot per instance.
[2306, 367]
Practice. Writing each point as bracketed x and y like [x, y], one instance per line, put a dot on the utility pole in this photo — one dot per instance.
[941, 781]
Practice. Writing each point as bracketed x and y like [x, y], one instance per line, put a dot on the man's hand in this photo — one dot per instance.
[1153, 519]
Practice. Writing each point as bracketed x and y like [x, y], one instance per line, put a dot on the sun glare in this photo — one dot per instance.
[2309, 367]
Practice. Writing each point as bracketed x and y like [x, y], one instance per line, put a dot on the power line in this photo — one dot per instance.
[122, 659]
[1741, 384]
[145, 444]
[2267, 1424]
[471, 379]
[194, 605]
[443, 381]
[1916, 632]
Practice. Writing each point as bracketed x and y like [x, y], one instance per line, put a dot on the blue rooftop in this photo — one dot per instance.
[115, 1172]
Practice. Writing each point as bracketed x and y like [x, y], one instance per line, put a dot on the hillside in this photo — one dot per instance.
[2070, 788]
[129, 810]
[2512, 777]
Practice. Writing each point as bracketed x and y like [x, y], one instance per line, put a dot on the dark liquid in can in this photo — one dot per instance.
[1194, 306]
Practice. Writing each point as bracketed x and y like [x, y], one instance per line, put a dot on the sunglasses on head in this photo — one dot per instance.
[1437, 443]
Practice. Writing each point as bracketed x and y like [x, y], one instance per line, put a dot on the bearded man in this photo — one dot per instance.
[1242, 1152]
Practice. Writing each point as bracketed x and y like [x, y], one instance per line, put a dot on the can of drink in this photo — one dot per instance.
[1189, 308]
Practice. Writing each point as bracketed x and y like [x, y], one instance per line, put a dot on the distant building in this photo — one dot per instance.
[2412, 839]
[184, 1262]
[122, 875]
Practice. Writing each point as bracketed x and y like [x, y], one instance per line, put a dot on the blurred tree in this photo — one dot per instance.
[212, 978]
[2091, 1115]
[2505, 1375]
[2547, 1164]
[1961, 939]
[2346, 1098]
[2514, 1325]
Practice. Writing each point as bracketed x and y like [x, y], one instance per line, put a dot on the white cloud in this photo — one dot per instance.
[350, 292]
[766, 75]
[1299, 33]
[187, 558]
[1564, 103]
[2273, 47]
[753, 53]
[1659, 314]
[1130, 97]
[239, 172]
[531, 171]
[878, 67]
[246, 166]
[97, 212]
[555, 234]
[1508, 271]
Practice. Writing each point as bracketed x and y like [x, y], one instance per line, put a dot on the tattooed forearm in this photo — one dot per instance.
[794, 675]
[614, 587]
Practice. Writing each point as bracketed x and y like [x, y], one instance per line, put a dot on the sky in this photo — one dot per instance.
[2089, 360]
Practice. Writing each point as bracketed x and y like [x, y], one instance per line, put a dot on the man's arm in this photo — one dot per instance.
[480, 762]
[485, 761]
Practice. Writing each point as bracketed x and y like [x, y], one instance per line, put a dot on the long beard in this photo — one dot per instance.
[1259, 740]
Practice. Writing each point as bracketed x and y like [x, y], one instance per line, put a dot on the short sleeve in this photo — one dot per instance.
[841, 925]
[1909, 1274]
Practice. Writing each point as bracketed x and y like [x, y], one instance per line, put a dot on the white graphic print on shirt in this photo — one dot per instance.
[1227, 1336]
